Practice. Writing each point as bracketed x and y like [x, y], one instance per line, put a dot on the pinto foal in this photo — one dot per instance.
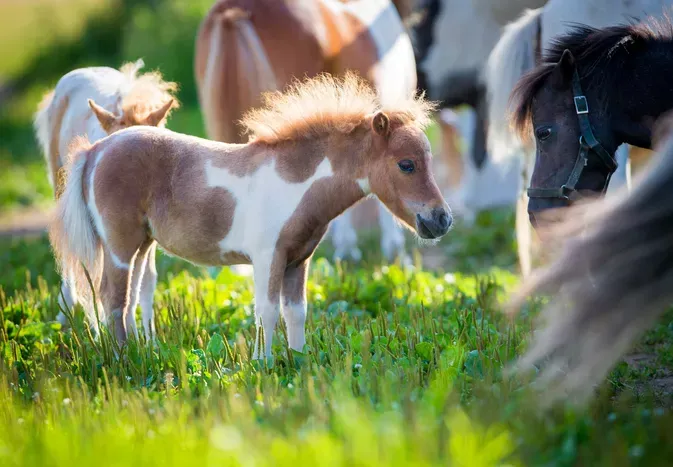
[316, 150]
[96, 102]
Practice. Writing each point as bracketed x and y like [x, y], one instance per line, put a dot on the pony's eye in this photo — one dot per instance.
[406, 166]
[543, 133]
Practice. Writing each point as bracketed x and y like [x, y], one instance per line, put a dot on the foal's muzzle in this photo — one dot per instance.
[437, 224]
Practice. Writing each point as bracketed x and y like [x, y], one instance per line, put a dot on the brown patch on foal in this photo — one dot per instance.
[164, 189]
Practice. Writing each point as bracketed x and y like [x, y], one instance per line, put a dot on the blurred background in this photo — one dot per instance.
[41, 40]
[44, 39]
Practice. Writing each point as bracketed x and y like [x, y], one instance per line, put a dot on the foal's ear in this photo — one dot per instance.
[563, 70]
[381, 124]
[106, 118]
[155, 118]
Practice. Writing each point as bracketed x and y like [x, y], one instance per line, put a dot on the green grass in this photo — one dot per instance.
[29, 26]
[402, 367]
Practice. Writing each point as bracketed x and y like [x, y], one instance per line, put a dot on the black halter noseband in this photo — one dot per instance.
[588, 143]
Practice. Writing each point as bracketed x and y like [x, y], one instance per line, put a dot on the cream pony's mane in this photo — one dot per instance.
[146, 92]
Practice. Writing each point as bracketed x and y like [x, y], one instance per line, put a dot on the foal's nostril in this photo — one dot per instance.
[444, 221]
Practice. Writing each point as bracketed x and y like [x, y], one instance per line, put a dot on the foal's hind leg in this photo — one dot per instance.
[117, 292]
[138, 274]
[147, 287]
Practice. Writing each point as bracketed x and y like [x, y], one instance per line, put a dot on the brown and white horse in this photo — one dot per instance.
[315, 151]
[246, 47]
[116, 99]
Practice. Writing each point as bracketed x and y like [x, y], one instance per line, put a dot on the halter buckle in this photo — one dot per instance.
[581, 105]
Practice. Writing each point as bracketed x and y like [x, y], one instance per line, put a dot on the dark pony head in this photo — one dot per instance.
[624, 73]
[609, 284]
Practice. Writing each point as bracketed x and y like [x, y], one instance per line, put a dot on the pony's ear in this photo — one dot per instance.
[106, 118]
[156, 117]
[381, 124]
[563, 70]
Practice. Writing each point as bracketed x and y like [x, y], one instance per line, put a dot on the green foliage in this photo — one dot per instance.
[402, 367]
[103, 33]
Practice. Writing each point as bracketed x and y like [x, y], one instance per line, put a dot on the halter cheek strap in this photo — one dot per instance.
[588, 144]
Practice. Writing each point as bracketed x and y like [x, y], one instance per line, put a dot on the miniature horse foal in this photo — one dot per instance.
[316, 150]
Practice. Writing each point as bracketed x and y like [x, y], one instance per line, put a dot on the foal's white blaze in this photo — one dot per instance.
[96, 217]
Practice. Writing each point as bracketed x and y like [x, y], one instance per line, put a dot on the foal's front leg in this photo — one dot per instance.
[268, 275]
[294, 305]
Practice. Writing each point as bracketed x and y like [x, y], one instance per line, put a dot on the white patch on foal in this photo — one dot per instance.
[264, 204]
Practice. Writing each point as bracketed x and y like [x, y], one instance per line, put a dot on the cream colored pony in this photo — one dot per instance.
[96, 102]
[315, 151]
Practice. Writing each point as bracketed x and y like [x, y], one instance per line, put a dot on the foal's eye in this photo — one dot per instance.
[543, 133]
[406, 166]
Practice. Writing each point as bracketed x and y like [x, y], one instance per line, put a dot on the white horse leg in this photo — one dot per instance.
[467, 192]
[344, 237]
[524, 229]
[267, 301]
[622, 176]
[392, 237]
[524, 235]
[294, 305]
[147, 288]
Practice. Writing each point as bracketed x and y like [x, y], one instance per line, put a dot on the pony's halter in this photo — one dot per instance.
[588, 143]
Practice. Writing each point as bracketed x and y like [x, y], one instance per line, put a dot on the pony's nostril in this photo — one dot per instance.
[444, 221]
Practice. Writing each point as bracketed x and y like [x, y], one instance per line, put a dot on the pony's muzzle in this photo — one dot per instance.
[434, 226]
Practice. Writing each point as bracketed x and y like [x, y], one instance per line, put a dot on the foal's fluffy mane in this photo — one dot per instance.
[326, 104]
[146, 92]
[591, 47]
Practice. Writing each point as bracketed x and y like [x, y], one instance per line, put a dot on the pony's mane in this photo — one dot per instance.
[590, 47]
[326, 104]
[145, 93]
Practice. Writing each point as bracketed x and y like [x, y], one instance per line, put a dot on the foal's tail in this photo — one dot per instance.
[513, 55]
[612, 281]
[232, 71]
[72, 233]
[47, 125]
